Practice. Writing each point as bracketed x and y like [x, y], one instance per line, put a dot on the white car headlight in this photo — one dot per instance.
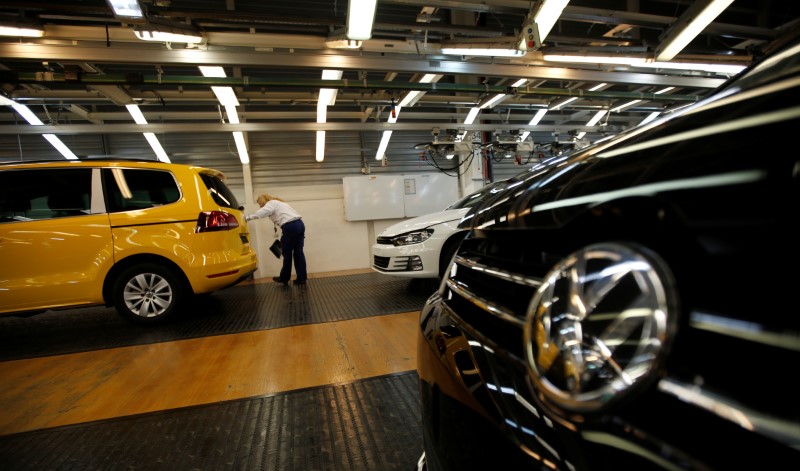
[411, 238]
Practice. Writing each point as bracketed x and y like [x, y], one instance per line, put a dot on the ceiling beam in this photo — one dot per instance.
[333, 60]
[165, 128]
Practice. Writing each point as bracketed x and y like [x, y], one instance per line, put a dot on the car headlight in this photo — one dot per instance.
[411, 238]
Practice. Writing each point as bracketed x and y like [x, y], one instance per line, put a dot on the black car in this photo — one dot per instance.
[631, 306]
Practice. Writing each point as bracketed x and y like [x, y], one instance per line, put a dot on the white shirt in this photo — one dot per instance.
[279, 212]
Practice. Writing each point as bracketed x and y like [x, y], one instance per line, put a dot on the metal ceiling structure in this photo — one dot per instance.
[89, 64]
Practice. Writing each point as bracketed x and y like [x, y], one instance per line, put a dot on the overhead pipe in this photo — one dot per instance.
[142, 79]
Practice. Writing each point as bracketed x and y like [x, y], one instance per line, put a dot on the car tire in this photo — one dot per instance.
[148, 294]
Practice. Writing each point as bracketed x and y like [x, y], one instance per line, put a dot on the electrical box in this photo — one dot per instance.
[529, 38]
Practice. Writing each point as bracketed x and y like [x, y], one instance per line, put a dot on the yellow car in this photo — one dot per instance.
[141, 236]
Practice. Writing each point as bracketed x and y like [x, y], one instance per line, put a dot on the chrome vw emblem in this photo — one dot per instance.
[598, 325]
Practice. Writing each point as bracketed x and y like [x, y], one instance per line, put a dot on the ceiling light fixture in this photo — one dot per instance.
[34, 120]
[628, 104]
[650, 117]
[138, 118]
[533, 122]
[595, 119]
[387, 134]
[21, 29]
[128, 9]
[473, 113]
[482, 50]
[546, 16]
[225, 95]
[360, 16]
[641, 61]
[327, 97]
[411, 98]
[343, 43]
[227, 98]
[383, 145]
[490, 102]
[691, 23]
[539, 23]
[560, 102]
[167, 33]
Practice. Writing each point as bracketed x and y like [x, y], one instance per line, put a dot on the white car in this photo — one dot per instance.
[422, 247]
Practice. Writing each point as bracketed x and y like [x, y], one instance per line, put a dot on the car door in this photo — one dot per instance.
[55, 241]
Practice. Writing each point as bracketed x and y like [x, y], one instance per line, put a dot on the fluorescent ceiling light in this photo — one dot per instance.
[138, 117]
[212, 71]
[136, 113]
[360, 16]
[650, 117]
[60, 146]
[383, 145]
[413, 96]
[156, 146]
[226, 96]
[322, 112]
[691, 23]
[595, 119]
[538, 117]
[482, 51]
[645, 62]
[327, 97]
[32, 119]
[320, 146]
[329, 74]
[559, 105]
[473, 113]
[233, 116]
[167, 34]
[126, 8]
[343, 43]
[409, 97]
[492, 100]
[22, 31]
[26, 113]
[241, 147]
[703, 67]
[546, 16]
[230, 105]
[623, 106]
[589, 59]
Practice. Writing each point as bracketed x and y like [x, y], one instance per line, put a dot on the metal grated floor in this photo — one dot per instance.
[370, 425]
[240, 308]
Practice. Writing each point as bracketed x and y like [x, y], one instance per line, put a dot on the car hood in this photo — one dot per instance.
[422, 222]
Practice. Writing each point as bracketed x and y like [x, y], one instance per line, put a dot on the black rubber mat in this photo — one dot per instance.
[368, 425]
[242, 308]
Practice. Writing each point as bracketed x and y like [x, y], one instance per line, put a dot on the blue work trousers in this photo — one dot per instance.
[293, 236]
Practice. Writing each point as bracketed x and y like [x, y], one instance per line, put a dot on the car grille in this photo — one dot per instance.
[381, 262]
[490, 291]
[384, 240]
[406, 263]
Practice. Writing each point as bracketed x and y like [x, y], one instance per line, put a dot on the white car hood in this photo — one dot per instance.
[424, 221]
